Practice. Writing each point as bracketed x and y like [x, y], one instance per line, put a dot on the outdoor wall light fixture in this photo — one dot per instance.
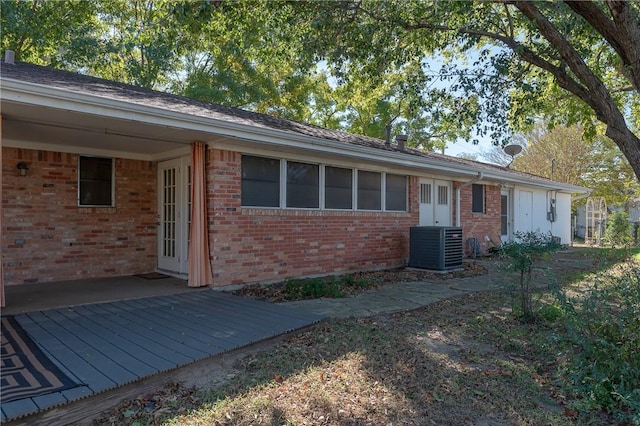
[22, 168]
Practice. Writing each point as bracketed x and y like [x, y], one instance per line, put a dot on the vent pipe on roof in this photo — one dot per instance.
[401, 139]
[387, 139]
[9, 57]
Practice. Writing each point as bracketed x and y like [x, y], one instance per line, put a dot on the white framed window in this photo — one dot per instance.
[425, 193]
[260, 182]
[395, 193]
[96, 182]
[369, 190]
[303, 185]
[338, 188]
[278, 183]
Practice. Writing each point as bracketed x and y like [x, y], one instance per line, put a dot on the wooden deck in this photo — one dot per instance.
[106, 345]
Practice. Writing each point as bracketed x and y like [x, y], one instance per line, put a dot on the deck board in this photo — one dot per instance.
[244, 312]
[55, 398]
[186, 332]
[87, 344]
[200, 317]
[143, 325]
[232, 327]
[57, 346]
[210, 330]
[110, 344]
[17, 408]
[136, 358]
[157, 344]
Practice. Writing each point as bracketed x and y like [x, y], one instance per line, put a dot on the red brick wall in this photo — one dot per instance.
[47, 237]
[252, 245]
[477, 225]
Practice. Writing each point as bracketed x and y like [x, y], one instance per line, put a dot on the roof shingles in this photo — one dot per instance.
[79, 83]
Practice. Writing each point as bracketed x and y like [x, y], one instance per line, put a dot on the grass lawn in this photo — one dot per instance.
[465, 360]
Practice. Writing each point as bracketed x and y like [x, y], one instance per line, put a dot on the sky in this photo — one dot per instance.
[454, 149]
[435, 62]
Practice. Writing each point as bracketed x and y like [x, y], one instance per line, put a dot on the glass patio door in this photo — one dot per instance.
[173, 215]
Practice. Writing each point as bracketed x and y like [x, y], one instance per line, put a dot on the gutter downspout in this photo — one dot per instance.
[458, 189]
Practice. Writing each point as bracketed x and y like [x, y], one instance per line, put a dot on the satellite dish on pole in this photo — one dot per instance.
[512, 151]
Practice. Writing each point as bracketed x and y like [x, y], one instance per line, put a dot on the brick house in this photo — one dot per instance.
[96, 182]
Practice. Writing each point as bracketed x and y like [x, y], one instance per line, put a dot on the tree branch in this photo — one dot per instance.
[509, 19]
[628, 23]
[622, 34]
[598, 96]
[594, 92]
[624, 89]
[528, 55]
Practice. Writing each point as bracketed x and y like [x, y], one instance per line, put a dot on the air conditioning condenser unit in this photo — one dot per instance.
[435, 247]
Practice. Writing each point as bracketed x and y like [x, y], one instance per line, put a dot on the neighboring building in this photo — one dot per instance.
[632, 210]
[106, 190]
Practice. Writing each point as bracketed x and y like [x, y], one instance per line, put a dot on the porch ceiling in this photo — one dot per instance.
[43, 127]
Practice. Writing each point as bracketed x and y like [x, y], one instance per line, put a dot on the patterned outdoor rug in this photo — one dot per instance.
[25, 370]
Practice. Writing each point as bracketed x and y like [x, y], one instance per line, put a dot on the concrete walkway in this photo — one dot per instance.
[402, 296]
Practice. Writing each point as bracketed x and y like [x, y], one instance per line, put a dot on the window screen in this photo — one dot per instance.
[338, 188]
[260, 182]
[303, 189]
[396, 193]
[95, 181]
[477, 198]
[369, 191]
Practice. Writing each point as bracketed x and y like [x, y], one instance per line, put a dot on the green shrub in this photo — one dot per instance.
[550, 313]
[618, 232]
[523, 252]
[312, 288]
[351, 281]
[603, 370]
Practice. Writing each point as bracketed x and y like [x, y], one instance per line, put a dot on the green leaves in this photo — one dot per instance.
[603, 368]
[61, 34]
[523, 252]
[438, 71]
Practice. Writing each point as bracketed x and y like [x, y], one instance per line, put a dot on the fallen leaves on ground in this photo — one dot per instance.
[172, 399]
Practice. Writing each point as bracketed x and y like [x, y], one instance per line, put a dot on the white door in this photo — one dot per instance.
[173, 215]
[505, 216]
[434, 202]
[525, 211]
[442, 208]
[426, 202]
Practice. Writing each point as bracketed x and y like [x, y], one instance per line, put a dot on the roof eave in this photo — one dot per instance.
[32, 93]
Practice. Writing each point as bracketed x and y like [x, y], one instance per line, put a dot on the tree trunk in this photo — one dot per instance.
[628, 143]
